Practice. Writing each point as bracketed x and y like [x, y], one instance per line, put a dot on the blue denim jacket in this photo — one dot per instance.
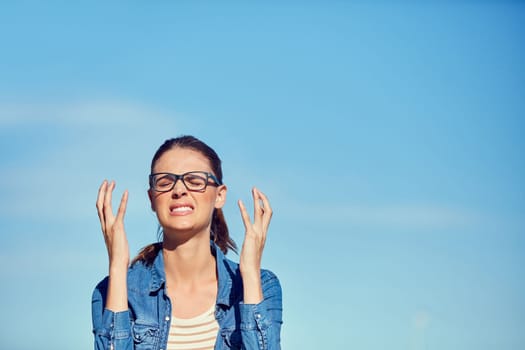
[146, 323]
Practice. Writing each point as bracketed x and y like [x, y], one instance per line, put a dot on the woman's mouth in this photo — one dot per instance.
[181, 209]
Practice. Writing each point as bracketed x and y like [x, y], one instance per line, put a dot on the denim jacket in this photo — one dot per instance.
[146, 323]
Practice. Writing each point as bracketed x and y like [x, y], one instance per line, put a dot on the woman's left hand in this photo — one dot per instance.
[253, 245]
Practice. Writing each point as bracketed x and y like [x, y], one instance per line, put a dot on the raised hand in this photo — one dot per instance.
[113, 226]
[116, 244]
[253, 245]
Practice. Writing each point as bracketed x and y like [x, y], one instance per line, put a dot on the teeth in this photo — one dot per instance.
[181, 209]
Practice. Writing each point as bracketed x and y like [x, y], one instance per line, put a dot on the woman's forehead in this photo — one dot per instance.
[179, 160]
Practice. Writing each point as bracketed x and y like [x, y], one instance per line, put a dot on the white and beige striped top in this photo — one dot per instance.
[198, 333]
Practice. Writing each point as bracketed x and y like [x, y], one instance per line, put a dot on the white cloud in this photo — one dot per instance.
[421, 320]
[410, 216]
[98, 113]
[51, 260]
[395, 215]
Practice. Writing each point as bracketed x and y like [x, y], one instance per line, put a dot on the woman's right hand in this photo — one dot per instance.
[117, 245]
[113, 226]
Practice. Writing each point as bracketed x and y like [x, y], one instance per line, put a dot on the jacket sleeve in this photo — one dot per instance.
[112, 330]
[261, 323]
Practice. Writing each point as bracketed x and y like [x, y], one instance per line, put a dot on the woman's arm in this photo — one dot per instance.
[110, 299]
[112, 330]
[261, 323]
[261, 311]
[116, 245]
[253, 246]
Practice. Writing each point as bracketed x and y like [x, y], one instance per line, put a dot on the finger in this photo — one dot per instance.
[108, 210]
[100, 204]
[268, 212]
[122, 206]
[244, 214]
[258, 210]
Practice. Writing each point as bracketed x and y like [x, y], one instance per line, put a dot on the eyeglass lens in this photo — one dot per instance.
[192, 181]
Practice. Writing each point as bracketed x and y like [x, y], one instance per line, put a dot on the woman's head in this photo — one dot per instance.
[191, 142]
[180, 207]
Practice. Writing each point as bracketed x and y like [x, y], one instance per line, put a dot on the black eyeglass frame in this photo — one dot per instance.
[178, 177]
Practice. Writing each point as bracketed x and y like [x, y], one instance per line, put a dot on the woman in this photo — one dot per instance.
[182, 293]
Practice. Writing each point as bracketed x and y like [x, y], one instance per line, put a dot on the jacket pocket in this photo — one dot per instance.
[231, 338]
[145, 336]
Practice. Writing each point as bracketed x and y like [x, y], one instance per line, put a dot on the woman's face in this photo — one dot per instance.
[181, 210]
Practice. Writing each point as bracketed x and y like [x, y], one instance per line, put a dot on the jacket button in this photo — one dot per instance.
[167, 319]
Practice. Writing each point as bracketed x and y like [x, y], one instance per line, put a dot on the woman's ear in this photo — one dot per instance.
[150, 196]
[220, 199]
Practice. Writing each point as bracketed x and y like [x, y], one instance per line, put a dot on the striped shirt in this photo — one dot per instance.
[198, 333]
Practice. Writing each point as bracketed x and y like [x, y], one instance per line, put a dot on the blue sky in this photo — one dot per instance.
[388, 136]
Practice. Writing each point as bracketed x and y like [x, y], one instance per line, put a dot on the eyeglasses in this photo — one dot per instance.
[196, 181]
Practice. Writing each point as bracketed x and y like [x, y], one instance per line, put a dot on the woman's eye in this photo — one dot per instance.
[194, 180]
[164, 182]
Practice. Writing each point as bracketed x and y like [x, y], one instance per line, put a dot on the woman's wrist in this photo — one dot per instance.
[117, 296]
[118, 268]
[252, 288]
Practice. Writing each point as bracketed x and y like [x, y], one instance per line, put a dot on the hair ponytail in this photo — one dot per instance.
[219, 232]
[148, 254]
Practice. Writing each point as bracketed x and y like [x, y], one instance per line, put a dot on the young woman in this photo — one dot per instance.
[183, 293]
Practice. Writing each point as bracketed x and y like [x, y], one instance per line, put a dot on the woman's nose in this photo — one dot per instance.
[179, 188]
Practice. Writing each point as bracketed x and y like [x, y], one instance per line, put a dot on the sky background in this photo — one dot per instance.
[389, 137]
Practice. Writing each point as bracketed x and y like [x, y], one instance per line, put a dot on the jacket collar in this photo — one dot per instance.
[158, 276]
[226, 271]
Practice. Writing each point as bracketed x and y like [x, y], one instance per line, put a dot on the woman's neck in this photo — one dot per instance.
[190, 261]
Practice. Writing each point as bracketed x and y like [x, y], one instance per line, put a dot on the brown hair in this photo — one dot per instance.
[219, 230]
